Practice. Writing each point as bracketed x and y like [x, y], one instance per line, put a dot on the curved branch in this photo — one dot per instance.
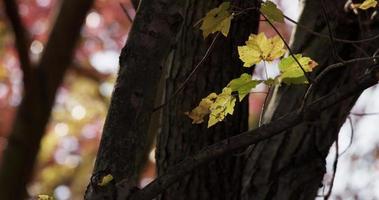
[251, 137]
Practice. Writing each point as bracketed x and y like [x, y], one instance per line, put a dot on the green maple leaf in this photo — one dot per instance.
[243, 85]
[217, 19]
[272, 12]
[291, 73]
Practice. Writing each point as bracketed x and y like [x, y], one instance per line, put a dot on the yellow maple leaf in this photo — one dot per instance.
[217, 19]
[368, 4]
[365, 5]
[223, 105]
[44, 197]
[197, 114]
[259, 47]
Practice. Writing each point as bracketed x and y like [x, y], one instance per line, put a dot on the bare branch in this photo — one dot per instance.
[251, 137]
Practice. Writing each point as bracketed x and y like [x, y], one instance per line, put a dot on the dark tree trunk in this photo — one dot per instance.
[180, 138]
[292, 165]
[34, 111]
[125, 141]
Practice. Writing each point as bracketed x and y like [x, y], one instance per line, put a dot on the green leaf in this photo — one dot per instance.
[223, 106]
[217, 19]
[291, 73]
[259, 47]
[105, 180]
[272, 12]
[243, 85]
[273, 81]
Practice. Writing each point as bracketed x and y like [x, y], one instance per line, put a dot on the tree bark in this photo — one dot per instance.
[179, 138]
[292, 165]
[35, 109]
[125, 140]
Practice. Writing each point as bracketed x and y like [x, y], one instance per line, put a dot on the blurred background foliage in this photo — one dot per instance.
[69, 147]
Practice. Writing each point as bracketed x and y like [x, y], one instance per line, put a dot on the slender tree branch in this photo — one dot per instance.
[327, 36]
[289, 49]
[21, 39]
[331, 34]
[200, 63]
[252, 137]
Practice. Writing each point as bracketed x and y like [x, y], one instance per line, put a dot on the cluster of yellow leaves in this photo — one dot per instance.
[365, 5]
[256, 49]
[223, 105]
[197, 114]
[217, 106]
[260, 48]
[217, 19]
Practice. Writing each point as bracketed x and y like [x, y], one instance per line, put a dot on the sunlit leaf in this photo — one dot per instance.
[44, 197]
[105, 180]
[223, 105]
[243, 85]
[217, 19]
[291, 73]
[259, 48]
[368, 4]
[272, 12]
[197, 114]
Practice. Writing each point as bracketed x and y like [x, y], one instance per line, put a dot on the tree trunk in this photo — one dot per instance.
[34, 111]
[292, 165]
[180, 138]
[125, 140]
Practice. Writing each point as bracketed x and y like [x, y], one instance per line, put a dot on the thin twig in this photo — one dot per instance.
[207, 53]
[289, 48]
[351, 135]
[125, 10]
[326, 36]
[331, 34]
[335, 163]
[318, 79]
[247, 138]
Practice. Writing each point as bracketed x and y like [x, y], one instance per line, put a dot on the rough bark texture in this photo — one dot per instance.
[34, 111]
[124, 144]
[292, 165]
[180, 138]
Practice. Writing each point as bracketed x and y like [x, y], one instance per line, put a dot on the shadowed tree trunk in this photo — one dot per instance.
[180, 138]
[40, 88]
[292, 165]
[125, 142]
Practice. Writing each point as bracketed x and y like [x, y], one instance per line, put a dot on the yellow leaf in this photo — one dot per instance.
[259, 48]
[197, 114]
[366, 4]
[217, 19]
[44, 197]
[223, 105]
[105, 180]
